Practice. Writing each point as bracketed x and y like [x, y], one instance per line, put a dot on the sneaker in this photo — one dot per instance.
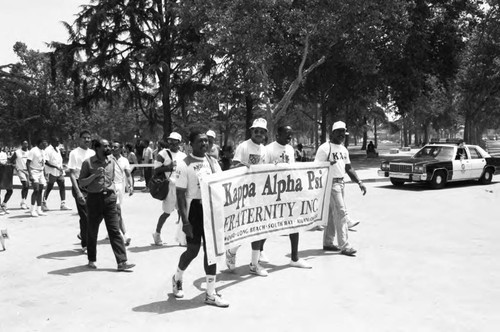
[216, 300]
[44, 207]
[157, 239]
[263, 258]
[331, 247]
[230, 260]
[177, 288]
[125, 267]
[348, 252]
[300, 263]
[41, 213]
[4, 234]
[2, 212]
[258, 270]
[24, 206]
[350, 226]
[34, 213]
[91, 265]
[64, 207]
[127, 241]
[84, 250]
[4, 208]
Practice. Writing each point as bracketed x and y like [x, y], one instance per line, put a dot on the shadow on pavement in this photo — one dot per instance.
[150, 247]
[79, 269]
[172, 304]
[61, 254]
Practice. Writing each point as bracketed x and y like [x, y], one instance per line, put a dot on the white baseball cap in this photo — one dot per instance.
[174, 135]
[211, 133]
[259, 123]
[338, 125]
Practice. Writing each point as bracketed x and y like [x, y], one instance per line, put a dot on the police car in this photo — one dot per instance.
[437, 164]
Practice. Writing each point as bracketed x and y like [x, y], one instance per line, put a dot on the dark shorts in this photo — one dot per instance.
[53, 178]
[196, 220]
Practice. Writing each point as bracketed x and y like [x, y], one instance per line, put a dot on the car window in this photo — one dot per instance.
[461, 154]
[437, 152]
[474, 154]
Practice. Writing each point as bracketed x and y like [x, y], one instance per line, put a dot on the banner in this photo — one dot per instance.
[247, 204]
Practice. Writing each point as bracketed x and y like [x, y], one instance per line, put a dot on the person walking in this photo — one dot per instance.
[251, 152]
[166, 162]
[19, 158]
[76, 158]
[214, 149]
[6, 176]
[280, 151]
[55, 171]
[147, 158]
[190, 206]
[97, 177]
[35, 165]
[338, 219]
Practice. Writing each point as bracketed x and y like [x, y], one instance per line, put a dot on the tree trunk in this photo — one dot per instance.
[375, 133]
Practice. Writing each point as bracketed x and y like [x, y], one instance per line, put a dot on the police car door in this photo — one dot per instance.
[477, 162]
[461, 165]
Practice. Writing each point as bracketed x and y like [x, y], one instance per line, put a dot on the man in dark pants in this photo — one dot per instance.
[76, 158]
[97, 176]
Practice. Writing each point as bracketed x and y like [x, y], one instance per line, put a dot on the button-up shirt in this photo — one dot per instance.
[101, 183]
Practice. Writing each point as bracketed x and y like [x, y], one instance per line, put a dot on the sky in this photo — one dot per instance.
[34, 22]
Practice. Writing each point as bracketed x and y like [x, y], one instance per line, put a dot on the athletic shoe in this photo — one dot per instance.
[41, 213]
[2, 212]
[4, 234]
[216, 300]
[230, 260]
[91, 265]
[301, 263]
[44, 207]
[157, 239]
[64, 207]
[4, 208]
[84, 250]
[24, 206]
[177, 288]
[348, 251]
[125, 267]
[263, 258]
[331, 247]
[34, 213]
[258, 270]
[350, 226]
[127, 241]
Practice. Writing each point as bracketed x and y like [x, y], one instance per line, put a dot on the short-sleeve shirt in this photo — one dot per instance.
[3, 158]
[21, 157]
[54, 157]
[191, 169]
[101, 183]
[177, 156]
[122, 165]
[76, 158]
[147, 154]
[276, 152]
[37, 158]
[250, 153]
[329, 152]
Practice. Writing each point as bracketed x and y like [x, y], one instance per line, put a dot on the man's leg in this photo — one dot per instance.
[24, 194]
[50, 185]
[329, 231]
[340, 221]
[112, 225]
[83, 214]
[62, 192]
[94, 218]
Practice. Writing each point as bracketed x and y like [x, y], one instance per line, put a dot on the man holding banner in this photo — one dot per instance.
[338, 220]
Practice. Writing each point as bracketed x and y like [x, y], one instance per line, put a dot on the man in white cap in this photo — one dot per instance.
[251, 152]
[166, 161]
[214, 149]
[338, 219]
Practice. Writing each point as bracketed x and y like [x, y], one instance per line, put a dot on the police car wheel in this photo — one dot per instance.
[438, 180]
[397, 183]
[486, 177]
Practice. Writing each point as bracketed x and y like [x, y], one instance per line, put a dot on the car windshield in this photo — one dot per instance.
[436, 152]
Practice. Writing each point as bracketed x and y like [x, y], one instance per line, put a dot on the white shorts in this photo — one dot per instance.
[23, 175]
[170, 203]
[120, 192]
[38, 177]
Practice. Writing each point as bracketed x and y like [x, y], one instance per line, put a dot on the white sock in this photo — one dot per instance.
[23, 201]
[210, 285]
[33, 208]
[234, 250]
[178, 274]
[255, 257]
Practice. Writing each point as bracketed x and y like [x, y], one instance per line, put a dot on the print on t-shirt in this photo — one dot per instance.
[254, 159]
[339, 155]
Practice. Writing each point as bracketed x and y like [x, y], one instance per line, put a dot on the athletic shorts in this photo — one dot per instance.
[38, 177]
[23, 175]
[169, 204]
[53, 178]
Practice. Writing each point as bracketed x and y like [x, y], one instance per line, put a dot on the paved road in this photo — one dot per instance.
[427, 261]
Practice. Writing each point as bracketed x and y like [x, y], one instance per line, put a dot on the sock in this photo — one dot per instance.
[178, 274]
[234, 250]
[255, 257]
[210, 285]
[33, 208]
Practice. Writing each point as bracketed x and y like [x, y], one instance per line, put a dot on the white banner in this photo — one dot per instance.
[244, 204]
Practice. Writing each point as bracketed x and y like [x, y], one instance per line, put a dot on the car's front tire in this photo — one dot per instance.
[397, 182]
[486, 177]
[438, 180]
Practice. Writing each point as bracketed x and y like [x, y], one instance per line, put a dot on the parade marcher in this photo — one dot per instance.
[97, 177]
[190, 207]
[55, 171]
[35, 165]
[132, 159]
[166, 162]
[6, 175]
[76, 158]
[123, 184]
[300, 154]
[19, 158]
[280, 151]
[338, 218]
[147, 158]
[251, 152]
[227, 157]
[214, 148]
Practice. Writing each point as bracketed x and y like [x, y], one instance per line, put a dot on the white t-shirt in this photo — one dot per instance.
[276, 152]
[250, 153]
[3, 158]
[177, 156]
[54, 157]
[337, 152]
[21, 157]
[147, 154]
[191, 170]
[76, 158]
[37, 158]
[123, 164]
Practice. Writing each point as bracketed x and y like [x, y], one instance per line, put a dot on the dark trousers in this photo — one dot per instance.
[83, 214]
[148, 173]
[104, 206]
[194, 243]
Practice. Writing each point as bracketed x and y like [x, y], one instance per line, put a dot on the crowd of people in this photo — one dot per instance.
[102, 173]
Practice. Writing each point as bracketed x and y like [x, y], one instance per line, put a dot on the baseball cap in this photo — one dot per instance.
[338, 125]
[174, 135]
[259, 123]
[211, 133]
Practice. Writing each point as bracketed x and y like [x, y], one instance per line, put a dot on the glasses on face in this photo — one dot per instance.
[115, 147]
[259, 131]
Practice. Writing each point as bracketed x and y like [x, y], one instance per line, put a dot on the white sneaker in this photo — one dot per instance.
[34, 213]
[41, 213]
[300, 263]
[258, 270]
[24, 206]
[230, 260]
[157, 239]
[177, 288]
[263, 258]
[44, 207]
[64, 207]
[4, 208]
[216, 300]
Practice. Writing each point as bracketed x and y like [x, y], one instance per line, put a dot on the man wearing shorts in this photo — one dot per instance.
[19, 158]
[123, 184]
[35, 166]
[54, 170]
